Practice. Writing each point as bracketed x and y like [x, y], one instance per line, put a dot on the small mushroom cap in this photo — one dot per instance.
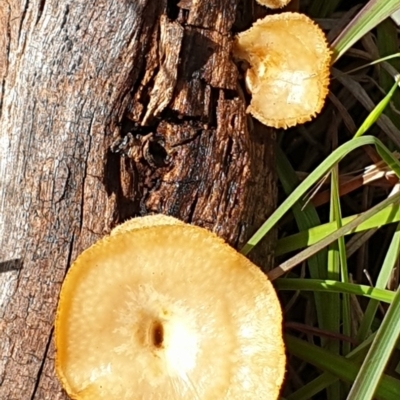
[289, 68]
[274, 3]
[168, 312]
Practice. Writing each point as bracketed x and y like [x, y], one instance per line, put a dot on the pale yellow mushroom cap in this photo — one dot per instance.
[145, 222]
[168, 312]
[289, 68]
[274, 3]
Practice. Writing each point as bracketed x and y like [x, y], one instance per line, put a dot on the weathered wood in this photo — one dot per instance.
[110, 110]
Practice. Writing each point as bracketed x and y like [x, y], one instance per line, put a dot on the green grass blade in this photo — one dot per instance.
[378, 61]
[368, 18]
[304, 254]
[387, 43]
[306, 216]
[383, 278]
[332, 308]
[342, 261]
[371, 371]
[383, 295]
[312, 388]
[324, 380]
[358, 91]
[315, 176]
[310, 236]
[388, 389]
[333, 252]
[376, 112]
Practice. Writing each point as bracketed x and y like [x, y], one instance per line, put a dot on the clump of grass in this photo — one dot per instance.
[339, 252]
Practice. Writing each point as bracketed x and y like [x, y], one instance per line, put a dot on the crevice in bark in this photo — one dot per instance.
[40, 9]
[230, 94]
[24, 12]
[193, 207]
[212, 115]
[173, 9]
[41, 367]
[130, 126]
[5, 14]
[69, 258]
[112, 173]
[228, 156]
[64, 18]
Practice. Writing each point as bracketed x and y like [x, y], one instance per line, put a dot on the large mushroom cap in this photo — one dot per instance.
[168, 312]
[289, 68]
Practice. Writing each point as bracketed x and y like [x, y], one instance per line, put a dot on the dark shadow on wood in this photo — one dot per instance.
[11, 265]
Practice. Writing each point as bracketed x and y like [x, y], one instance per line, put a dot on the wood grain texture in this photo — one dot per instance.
[77, 80]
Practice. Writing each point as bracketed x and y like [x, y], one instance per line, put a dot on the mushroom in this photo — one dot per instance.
[164, 310]
[289, 61]
[274, 3]
[145, 222]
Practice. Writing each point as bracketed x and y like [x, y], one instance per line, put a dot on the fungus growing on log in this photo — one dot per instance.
[166, 310]
[288, 76]
[274, 3]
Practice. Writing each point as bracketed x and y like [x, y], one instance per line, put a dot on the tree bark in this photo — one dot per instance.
[108, 110]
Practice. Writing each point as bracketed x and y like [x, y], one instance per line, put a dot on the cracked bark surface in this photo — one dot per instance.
[79, 76]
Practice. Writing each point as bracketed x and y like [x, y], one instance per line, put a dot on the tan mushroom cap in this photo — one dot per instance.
[164, 313]
[145, 222]
[289, 68]
[274, 3]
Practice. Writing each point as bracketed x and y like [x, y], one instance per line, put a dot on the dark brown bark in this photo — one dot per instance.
[111, 109]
